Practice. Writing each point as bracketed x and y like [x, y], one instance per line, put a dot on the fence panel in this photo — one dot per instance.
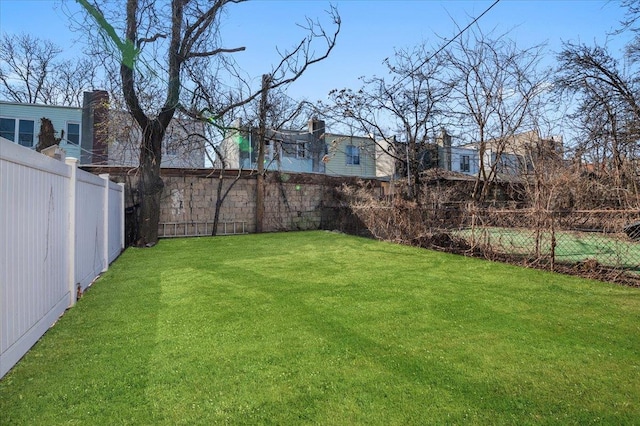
[90, 235]
[59, 226]
[34, 272]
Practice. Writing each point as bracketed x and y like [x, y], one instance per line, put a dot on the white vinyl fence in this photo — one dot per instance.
[60, 227]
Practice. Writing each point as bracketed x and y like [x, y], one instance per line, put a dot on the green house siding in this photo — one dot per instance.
[340, 162]
[62, 118]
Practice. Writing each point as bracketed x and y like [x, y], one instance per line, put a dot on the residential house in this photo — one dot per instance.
[309, 150]
[20, 123]
[519, 154]
[456, 159]
[349, 155]
[298, 151]
[391, 157]
[96, 134]
[183, 146]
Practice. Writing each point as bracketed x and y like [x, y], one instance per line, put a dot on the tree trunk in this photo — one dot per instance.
[220, 197]
[219, 200]
[150, 185]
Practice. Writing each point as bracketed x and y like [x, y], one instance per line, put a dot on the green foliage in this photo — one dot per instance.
[128, 51]
[322, 328]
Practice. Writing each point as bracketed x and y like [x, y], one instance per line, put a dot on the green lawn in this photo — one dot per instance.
[571, 247]
[323, 328]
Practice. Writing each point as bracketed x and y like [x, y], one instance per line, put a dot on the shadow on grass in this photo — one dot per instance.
[94, 363]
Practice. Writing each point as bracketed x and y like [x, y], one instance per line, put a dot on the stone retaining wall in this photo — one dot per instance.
[292, 201]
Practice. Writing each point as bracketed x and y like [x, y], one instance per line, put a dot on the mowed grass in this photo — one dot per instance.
[323, 328]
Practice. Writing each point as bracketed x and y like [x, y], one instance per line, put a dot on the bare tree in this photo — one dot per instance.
[400, 113]
[70, 79]
[26, 67]
[31, 72]
[605, 87]
[164, 40]
[498, 88]
[608, 112]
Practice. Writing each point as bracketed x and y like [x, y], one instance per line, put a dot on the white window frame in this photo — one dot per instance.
[301, 148]
[16, 130]
[349, 155]
[79, 133]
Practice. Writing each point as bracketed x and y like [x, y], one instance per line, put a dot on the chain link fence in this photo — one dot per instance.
[600, 244]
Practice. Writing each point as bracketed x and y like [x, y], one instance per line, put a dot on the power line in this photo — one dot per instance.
[447, 43]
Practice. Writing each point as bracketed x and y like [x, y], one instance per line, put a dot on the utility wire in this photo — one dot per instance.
[446, 44]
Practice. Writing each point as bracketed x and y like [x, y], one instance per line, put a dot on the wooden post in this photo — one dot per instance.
[262, 129]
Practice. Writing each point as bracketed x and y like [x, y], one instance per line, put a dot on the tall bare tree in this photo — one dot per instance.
[26, 65]
[31, 71]
[607, 116]
[604, 85]
[402, 112]
[498, 87]
[170, 41]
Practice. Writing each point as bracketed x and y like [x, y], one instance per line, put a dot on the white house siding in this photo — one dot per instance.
[60, 116]
[457, 155]
[385, 163]
[337, 158]
[178, 148]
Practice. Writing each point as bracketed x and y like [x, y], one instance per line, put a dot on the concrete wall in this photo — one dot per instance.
[292, 201]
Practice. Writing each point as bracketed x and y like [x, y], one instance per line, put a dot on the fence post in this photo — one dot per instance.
[121, 184]
[71, 231]
[105, 224]
[553, 241]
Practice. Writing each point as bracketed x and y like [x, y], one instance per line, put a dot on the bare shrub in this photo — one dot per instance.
[589, 243]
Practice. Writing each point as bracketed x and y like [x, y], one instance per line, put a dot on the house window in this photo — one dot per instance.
[73, 133]
[289, 148]
[23, 134]
[301, 149]
[465, 165]
[8, 128]
[353, 155]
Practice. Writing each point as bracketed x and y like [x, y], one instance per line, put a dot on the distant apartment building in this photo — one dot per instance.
[519, 154]
[310, 150]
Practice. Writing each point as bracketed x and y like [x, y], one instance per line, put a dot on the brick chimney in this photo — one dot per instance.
[95, 127]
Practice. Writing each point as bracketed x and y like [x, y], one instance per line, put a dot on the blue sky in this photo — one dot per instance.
[371, 30]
